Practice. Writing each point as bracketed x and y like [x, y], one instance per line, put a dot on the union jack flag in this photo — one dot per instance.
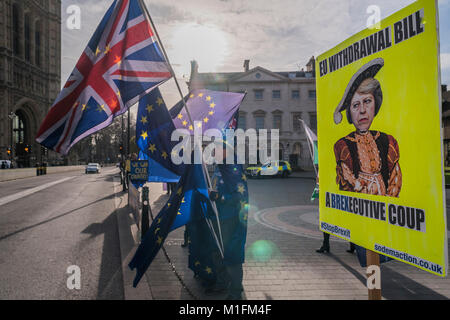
[121, 63]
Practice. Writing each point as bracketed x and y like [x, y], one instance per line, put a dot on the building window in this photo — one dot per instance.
[259, 94]
[277, 121]
[27, 33]
[242, 122]
[16, 29]
[295, 94]
[312, 94]
[37, 43]
[313, 121]
[19, 129]
[296, 121]
[259, 122]
[276, 94]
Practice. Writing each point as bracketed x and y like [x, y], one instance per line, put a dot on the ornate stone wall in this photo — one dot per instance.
[30, 68]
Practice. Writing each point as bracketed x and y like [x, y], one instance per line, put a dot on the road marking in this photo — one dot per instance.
[309, 214]
[28, 192]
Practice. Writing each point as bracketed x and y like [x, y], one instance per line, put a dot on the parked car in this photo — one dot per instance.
[92, 167]
[281, 168]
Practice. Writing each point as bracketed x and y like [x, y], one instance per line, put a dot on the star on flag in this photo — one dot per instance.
[144, 120]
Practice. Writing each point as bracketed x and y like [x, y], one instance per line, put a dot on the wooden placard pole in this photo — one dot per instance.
[373, 259]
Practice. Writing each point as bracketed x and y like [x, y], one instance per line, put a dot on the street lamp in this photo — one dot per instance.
[12, 116]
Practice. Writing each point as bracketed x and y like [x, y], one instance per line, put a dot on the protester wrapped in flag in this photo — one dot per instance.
[154, 128]
[121, 62]
[216, 110]
[204, 257]
[233, 203]
[231, 196]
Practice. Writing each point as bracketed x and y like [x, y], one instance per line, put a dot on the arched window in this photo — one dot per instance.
[277, 116]
[281, 151]
[16, 29]
[259, 116]
[297, 149]
[19, 127]
[242, 121]
[37, 43]
[27, 34]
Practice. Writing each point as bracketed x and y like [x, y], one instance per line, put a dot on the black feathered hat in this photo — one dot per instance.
[369, 70]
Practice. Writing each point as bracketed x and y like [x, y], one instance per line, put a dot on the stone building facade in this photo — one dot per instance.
[30, 72]
[274, 100]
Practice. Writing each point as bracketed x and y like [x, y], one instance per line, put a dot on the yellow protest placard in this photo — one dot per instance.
[380, 141]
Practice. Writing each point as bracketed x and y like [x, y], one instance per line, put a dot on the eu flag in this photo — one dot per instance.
[154, 128]
[202, 246]
[214, 109]
[231, 184]
[189, 199]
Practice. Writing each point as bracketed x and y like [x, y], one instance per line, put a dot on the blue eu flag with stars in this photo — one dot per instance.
[210, 109]
[154, 128]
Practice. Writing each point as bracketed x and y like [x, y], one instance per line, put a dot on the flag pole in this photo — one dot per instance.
[205, 172]
[167, 58]
[309, 146]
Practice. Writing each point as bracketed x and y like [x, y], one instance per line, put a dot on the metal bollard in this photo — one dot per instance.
[145, 222]
[38, 170]
[125, 181]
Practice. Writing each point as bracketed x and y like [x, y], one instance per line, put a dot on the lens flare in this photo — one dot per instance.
[263, 251]
[250, 209]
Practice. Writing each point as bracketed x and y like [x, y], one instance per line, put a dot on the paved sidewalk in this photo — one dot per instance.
[281, 263]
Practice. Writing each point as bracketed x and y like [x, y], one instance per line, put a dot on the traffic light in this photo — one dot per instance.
[121, 148]
[27, 148]
[8, 151]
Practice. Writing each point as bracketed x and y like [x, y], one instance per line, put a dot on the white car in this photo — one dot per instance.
[93, 167]
[278, 168]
